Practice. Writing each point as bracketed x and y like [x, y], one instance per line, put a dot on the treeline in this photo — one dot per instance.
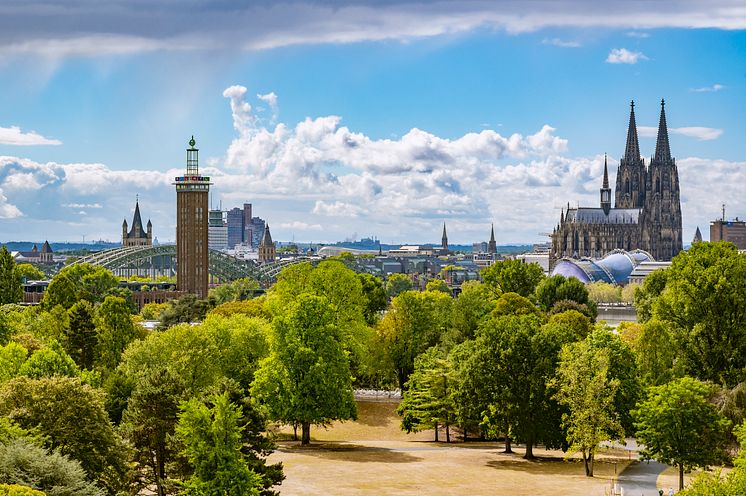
[519, 357]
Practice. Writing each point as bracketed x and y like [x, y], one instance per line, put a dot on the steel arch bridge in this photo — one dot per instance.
[222, 266]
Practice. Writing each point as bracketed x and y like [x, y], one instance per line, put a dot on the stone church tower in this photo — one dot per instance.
[137, 236]
[647, 212]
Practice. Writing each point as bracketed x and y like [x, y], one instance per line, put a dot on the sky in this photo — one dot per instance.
[345, 119]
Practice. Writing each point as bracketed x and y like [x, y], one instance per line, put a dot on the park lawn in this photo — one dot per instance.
[373, 456]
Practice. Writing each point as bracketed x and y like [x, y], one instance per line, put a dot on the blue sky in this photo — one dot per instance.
[382, 119]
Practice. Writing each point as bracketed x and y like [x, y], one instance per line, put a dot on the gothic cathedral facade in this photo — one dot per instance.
[647, 208]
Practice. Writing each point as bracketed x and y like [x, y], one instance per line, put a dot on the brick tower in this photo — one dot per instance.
[191, 226]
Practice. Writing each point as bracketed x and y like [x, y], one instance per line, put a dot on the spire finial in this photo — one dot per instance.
[137, 198]
[192, 142]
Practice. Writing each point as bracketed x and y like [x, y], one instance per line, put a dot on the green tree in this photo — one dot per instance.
[397, 283]
[438, 285]
[513, 276]
[238, 290]
[517, 355]
[513, 304]
[375, 296]
[115, 330]
[648, 293]
[72, 419]
[81, 336]
[12, 358]
[79, 282]
[306, 378]
[49, 362]
[149, 421]
[733, 484]
[603, 292]
[679, 426]
[474, 303]
[414, 323]
[25, 463]
[186, 309]
[427, 402]
[28, 272]
[16, 490]
[11, 290]
[557, 288]
[212, 441]
[586, 387]
[468, 388]
[703, 306]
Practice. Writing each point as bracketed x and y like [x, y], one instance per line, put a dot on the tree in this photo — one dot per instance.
[679, 426]
[654, 354]
[438, 285]
[79, 282]
[517, 355]
[11, 290]
[28, 272]
[186, 309]
[24, 462]
[474, 303]
[513, 304]
[513, 276]
[306, 378]
[115, 330]
[16, 490]
[415, 322]
[584, 385]
[149, 421]
[428, 400]
[49, 362]
[557, 288]
[397, 283]
[703, 306]
[375, 296]
[604, 292]
[81, 335]
[238, 290]
[212, 441]
[72, 419]
[12, 357]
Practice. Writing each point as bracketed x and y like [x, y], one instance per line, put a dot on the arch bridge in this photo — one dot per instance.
[224, 267]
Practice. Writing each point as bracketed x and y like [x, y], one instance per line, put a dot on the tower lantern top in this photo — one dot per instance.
[192, 168]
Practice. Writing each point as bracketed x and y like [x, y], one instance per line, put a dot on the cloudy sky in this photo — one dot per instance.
[355, 118]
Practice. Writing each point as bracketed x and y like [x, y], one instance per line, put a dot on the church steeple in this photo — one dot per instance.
[662, 148]
[492, 246]
[444, 240]
[605, 190]
[632, 150]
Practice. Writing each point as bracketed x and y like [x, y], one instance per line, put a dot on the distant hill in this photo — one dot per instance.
[61, 247]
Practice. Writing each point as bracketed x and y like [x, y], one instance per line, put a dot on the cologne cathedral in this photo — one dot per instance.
[647, 209]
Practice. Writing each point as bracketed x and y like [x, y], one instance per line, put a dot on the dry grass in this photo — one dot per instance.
[373, 456]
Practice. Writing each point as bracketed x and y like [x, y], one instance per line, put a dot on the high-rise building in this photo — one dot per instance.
[235, 227]
[257, 231]
[647, 213]
[729, 230]
[137, 236]
[248, 231]
[192, 192]
[217, 230]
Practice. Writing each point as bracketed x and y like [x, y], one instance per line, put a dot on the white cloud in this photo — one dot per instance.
[698, 132]
[82, 205]
[7, 210]
[708, 89]
[271, 100]
[637, 34]
[558, 42]
[624, 56]
[14, 136]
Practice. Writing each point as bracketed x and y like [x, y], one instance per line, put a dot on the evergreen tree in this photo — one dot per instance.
[81, 336]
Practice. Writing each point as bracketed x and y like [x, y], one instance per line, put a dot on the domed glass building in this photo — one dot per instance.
[614, 268]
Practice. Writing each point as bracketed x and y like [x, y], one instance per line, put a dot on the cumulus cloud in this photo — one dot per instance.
[297, 225]
[74, 28]
[708, 89]
[14, 136]
[624, 56]
[698, 132]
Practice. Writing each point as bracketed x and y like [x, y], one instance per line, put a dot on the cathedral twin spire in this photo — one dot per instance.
[662, 148]
[632, 151]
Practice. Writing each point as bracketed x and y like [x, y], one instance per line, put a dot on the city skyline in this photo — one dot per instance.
[334, 118]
